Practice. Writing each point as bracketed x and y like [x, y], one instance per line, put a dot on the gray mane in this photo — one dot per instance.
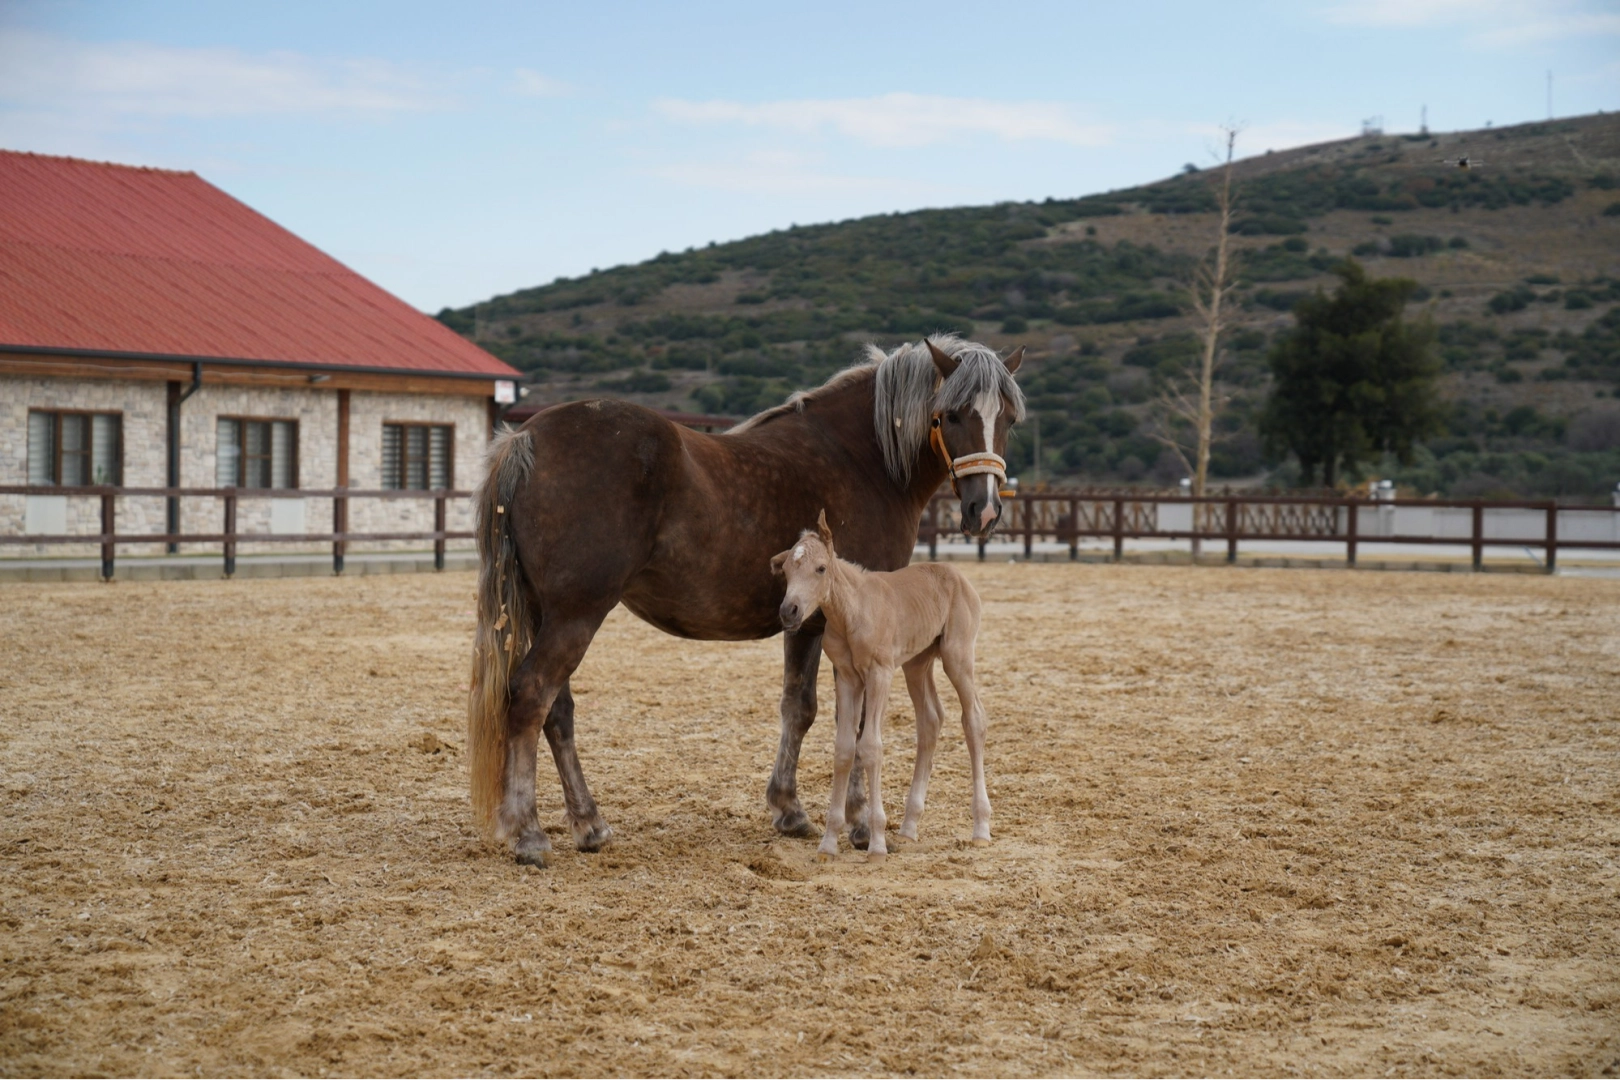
[908, 392]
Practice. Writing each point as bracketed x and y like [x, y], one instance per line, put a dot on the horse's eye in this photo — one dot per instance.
[953, 418]
[821, 569]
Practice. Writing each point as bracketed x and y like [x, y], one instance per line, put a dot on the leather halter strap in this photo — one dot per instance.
[980, 461]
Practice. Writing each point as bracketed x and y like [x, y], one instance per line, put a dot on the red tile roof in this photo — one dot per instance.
[110, 258]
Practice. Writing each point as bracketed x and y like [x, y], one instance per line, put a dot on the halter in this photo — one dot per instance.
[980, 461]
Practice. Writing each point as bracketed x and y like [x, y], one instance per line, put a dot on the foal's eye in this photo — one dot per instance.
[821, 569]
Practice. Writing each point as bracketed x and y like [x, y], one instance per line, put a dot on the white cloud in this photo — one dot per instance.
[530, 83]
[901, 120]
[1490, 23]
[58, 75]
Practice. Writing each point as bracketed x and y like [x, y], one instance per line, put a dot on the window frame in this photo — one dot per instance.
[241, 423]
[405, 459]
[89, 449]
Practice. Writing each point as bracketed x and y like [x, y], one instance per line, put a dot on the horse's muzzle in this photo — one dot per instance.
[792, 615]
[981, 511]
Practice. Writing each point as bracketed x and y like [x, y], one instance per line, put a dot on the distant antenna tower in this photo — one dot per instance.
[1423, 129]
[1373, 125]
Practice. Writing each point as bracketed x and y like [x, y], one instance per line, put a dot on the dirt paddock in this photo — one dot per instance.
[1246, 821]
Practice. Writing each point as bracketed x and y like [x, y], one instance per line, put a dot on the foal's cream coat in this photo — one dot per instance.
[877, 622]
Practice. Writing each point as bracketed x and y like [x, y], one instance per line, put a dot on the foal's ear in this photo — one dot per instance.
[823, 531]
[943, 360]
[777, 562]
[1015, 359]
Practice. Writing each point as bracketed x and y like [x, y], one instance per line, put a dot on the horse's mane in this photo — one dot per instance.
[908, 392]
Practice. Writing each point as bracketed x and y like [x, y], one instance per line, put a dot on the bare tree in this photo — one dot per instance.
[1186, 405]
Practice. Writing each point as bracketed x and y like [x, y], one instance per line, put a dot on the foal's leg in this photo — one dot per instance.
[801, 656]
[956, 657]
[876, 695]
[846, 717]
[925, 703]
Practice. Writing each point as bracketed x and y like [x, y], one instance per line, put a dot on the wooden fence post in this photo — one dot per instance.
[1552, 537]
[340, 525]
[1351, 506]
[109, 518]
[1029, 527]
[1074, 529]
[1479, 536]
[1231, 530]
[230, 533]
[1119, 530]
[438, 527]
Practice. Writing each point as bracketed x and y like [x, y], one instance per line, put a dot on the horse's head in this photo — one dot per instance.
[969, 431]
[807, 566]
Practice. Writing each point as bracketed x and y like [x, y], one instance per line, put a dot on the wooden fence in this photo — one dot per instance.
[1070, 516]
[229, 537]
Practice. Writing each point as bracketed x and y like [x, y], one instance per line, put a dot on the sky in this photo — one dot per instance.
[451, 153]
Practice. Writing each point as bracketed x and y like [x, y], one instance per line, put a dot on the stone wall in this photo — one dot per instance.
[144, 409]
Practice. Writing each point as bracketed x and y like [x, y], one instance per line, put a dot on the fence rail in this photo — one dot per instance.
[1070, 516]
[229, 536]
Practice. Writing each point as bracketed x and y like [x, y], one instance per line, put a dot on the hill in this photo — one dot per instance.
[1519, 262]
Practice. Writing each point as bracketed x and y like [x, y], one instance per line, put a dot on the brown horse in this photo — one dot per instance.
[599, 502]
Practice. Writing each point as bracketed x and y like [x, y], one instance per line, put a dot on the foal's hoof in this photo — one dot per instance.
[825, 856]
[793, 823]
[860, 837]
[876, 856]
[596, 839]
[981, 841]
[536, 857]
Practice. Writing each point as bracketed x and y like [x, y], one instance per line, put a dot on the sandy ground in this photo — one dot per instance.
[1247, 821]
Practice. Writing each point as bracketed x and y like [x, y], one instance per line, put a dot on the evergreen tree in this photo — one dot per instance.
[1353, 378]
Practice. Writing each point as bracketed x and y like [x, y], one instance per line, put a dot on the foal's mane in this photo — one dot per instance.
[908, 392]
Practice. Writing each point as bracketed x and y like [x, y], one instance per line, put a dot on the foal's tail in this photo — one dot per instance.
[505, 630]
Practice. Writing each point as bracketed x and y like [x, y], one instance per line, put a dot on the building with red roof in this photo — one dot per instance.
[155, 332]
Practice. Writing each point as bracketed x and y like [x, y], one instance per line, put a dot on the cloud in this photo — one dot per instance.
[900, 120]
[131, 79]
[530, 83]
[1489, 23]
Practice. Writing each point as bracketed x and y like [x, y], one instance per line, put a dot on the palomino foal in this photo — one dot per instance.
[877, 622]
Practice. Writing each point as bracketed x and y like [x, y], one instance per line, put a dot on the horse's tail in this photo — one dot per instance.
[505, 627]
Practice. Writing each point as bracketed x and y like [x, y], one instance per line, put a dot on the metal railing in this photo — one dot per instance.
[1070, 516]
[229, 536]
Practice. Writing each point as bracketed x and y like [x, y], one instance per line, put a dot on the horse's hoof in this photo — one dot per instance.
[903, 837]
[981, 841]
[825, 856]
[876, 856]
[599, 837]
[534, 857]
[860, 837]
[793, 823]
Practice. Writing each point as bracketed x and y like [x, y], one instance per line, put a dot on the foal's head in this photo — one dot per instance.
[807, 566]
[970, 425]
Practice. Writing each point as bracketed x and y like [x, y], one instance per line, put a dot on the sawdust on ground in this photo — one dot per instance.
[1247, 822]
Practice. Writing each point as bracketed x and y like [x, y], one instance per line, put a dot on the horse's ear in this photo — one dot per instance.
[823, 531]
[778, 560]
[1015, 359]
[943, 360]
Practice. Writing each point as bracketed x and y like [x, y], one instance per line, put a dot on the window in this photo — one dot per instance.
[418, 455]
[257, 453]
[73, 449]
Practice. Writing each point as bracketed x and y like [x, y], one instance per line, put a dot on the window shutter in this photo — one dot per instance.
[75, 449]
[416, 462]
[105, 446]
[228, 454]
[283, 454]
[42, 448]
[390, 457]
[439, 458]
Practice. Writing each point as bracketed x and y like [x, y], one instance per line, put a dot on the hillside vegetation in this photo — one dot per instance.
[1517, 262]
